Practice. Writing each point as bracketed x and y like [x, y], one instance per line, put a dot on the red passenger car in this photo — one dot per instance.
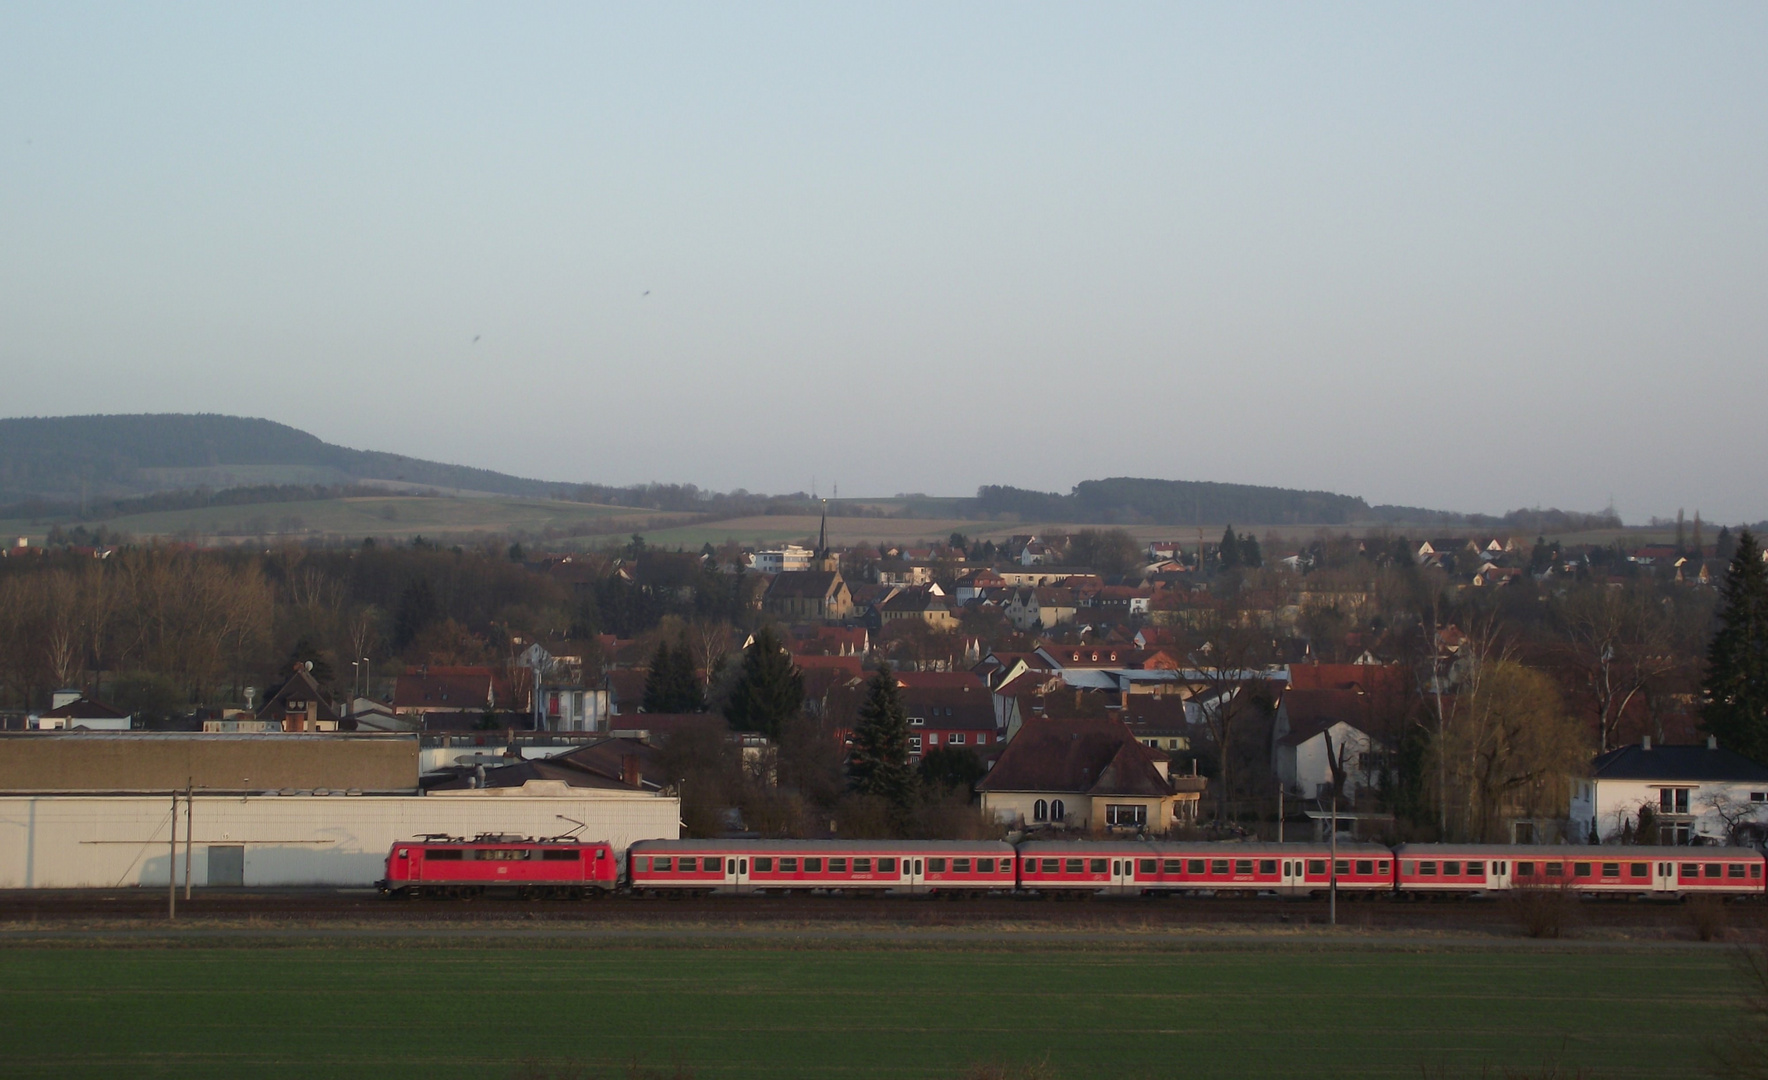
[784, 866]
[445, 866]
[1054, 867]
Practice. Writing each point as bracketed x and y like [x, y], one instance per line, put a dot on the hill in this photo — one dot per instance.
[75, 458]
[1132, 501]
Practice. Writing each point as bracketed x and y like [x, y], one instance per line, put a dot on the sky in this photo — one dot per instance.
[1464, 256]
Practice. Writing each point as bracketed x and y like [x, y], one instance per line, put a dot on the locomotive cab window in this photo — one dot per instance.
[555, 855]
[446, 854]
[405, 853]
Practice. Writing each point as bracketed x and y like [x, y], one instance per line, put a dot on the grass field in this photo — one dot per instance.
[430, 1009]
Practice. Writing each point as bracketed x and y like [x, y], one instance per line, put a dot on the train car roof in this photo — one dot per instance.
[790, 846]
[1588, 852]
[1201, 847]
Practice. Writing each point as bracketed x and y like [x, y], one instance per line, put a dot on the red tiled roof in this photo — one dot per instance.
[1099, 757]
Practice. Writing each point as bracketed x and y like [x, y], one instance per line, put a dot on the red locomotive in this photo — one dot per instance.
[441, 866]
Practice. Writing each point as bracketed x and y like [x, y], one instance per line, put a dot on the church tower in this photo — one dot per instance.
[825, 559]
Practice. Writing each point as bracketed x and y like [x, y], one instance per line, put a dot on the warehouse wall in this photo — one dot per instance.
[97, 841]
[161, 761]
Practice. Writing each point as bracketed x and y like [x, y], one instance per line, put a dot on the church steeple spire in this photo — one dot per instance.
[824, 560]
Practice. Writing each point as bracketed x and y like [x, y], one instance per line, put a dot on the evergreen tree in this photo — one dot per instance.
[658, 692]
[879, 764]
[1250, 554]
[1229, 552]
[1736, 687]
[684, 684]
[769, 688]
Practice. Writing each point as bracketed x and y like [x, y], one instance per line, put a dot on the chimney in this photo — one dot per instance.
[1712, 742]
[1645, 743]
[629, 772]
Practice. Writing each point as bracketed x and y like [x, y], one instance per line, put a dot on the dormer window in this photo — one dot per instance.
[917, 721]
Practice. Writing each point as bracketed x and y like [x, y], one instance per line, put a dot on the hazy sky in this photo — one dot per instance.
[1473, 257]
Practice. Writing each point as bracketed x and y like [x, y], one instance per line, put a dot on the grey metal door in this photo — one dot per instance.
[227, 864]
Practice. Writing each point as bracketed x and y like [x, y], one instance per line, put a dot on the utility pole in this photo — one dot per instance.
[172, 864]
[1333, 891]
[1279, 811]
[189, 830]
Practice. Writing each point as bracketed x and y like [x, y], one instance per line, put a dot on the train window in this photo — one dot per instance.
[862, 866]
[556, 855]
[449, 854]
[1071, 866]
[936, 866]
[1243, 866]
[1638, 869]
[1555, 869]
[1267, 866]
[1195, 866]
[1691, 869]
[1051, 866]
[1712, 869]
[1525, 869]
[985, 866]
[1452, 869]
[1365, 866]
[1581, 869]
[1734, 870]
[641, 863]
[405, 853]
[788, 864]
[1476, 869]
[838, 866]
[960, 866]
[1147, 866]
[887, 866]
[1218, 866]
[1173, 866]
[1096, 866]
[730, 866]
[1611, 869]
[662, 862]
[1427, 869]
[1384, 868]
[1342, 866]
[689, 863]
[1755, 869]
[763, 864]
[1316, 866]
[813, 865]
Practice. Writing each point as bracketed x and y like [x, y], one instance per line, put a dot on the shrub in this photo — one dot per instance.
[1707, 917]
[1542, 912]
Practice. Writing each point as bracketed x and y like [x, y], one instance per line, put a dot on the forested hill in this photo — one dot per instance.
[1128, 500]
[65, 458]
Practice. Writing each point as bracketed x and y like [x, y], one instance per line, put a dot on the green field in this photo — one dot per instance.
[426, 1008]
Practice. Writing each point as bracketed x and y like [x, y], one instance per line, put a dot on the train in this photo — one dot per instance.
[438, 866]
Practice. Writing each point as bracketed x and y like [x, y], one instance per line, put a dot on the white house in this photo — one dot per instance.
[1305, 757]
[790, 557]
[72, 709]
[1695, 794]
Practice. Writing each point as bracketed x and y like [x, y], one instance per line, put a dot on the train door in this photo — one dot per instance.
[1498, 874]
[1663, 877]
[1290, 874]
[1123, 875]
[736, 873]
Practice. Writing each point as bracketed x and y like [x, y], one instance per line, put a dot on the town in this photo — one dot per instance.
[1485, 688]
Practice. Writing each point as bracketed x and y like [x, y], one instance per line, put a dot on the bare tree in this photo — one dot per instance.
[1227, 667]
[1619, 641]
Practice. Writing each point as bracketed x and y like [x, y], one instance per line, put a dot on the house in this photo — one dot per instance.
[70, 709]
[299, 704]
[925, 603]
[1316, 754]
[901, 572]
[1161, 721]
[1086, 775]
[808, 594]
[454, 689]
[950, 717]
[1688, 794]
[788, 559]
[1435, 551]
[1040, 607]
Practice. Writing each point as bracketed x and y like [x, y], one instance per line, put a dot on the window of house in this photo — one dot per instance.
[838, 865]
[1673, 800]
[956, 739]
[1759, 796]
[933, 738]
[917, 721]
[982, 738]
[763, 864]
[1040, 811]
[788, 865]
[1125, 814]
[914, 744]
[1057, 810]
[862, 866]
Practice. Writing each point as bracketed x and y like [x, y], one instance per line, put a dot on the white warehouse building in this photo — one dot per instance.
[73, 841]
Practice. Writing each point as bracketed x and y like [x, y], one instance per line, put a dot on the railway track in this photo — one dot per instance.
[294, 906]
